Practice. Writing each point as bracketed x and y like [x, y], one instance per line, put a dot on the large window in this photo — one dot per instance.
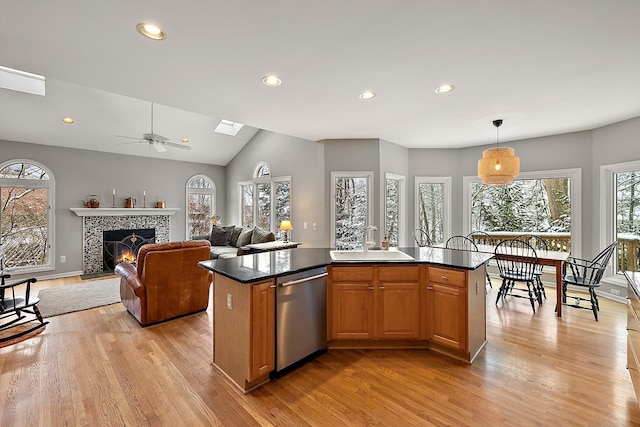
[201, 198]
[394, 192]
[351, 208]
[620, 211]
[265, 201]
[540, 203]
[433, 207]
[26, 221]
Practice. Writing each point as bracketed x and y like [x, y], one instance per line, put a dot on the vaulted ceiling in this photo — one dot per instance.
[545, 67]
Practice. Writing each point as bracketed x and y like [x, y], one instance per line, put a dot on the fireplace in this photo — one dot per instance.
[123, 245]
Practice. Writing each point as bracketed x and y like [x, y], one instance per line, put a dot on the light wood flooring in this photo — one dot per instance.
[99, 367]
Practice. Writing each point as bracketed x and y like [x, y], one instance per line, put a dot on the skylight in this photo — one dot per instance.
[227, 127]
[21, 81]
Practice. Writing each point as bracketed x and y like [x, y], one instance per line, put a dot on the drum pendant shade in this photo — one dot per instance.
[499, 165]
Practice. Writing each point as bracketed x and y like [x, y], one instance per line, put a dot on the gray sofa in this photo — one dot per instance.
[230, 241]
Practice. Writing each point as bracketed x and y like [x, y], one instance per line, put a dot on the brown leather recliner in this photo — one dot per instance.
[167, 281]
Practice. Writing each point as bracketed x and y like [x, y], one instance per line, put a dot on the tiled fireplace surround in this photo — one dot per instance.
[95, 221]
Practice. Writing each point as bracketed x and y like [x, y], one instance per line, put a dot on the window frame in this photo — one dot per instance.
[608, 213]
[446, 215]
[48, 184]
[370, 192]
[574, 174]
[206, 191]
[272, 181]
[402, 227]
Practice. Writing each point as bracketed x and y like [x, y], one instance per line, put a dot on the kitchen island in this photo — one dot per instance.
[433, 300]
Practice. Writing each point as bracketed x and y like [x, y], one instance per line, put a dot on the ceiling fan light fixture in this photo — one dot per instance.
[151, 31]
[498, 165]
[160, 148]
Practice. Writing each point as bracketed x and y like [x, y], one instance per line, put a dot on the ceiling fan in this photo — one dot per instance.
[158, 142]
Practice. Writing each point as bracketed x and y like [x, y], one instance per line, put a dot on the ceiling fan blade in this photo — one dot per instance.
[181, 146]
[159, 146]
[154, 137]
[129, 137]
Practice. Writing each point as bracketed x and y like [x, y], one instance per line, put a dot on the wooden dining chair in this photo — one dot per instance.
[539, 244]
[586, 274]
[483, 238]
[461, 243]
[517, 261]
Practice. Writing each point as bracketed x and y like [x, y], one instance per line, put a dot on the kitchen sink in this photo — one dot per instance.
[371, 255]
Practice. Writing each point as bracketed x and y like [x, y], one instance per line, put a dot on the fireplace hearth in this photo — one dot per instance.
[123, 245]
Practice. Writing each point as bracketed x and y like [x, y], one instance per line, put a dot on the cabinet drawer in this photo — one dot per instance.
[633, 339]
[408, 273]
[632, 367]
[634, 304]
[352, 274]
[447, 276]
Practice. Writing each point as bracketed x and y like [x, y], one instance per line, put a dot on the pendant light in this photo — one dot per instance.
[499, 165]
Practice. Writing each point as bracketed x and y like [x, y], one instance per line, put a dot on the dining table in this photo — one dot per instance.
[548, 258]
[545, 257]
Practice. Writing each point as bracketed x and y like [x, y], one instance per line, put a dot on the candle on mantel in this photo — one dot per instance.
[114, 191]
[144, 193]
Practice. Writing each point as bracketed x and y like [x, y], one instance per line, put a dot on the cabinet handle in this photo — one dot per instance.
[429, 288]
[370, 288]
[444, 277]
[381, 287]
[272, 286]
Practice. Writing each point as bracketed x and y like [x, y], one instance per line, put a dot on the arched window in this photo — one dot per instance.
[262, 171]
[26, 221]
[201, 204]
[265, 201]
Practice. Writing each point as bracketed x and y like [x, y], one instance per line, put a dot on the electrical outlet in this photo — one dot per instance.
[304, 225]
[615, 292]
[63, 258]
[315, 226]
[229, 302]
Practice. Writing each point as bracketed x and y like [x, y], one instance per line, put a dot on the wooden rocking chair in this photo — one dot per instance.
[18, 312]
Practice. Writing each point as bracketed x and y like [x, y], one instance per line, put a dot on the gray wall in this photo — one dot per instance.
[78, 173]
[286, 156]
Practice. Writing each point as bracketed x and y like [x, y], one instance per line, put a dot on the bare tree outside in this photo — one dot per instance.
[392, 210]
[351, 203]
[24, 217]
[431, 210]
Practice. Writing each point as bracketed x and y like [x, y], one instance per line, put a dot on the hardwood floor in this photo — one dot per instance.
[99, 367]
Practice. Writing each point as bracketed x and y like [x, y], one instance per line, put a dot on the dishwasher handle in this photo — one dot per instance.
[303, 280]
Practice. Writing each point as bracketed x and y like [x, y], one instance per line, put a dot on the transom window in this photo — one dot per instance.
[26, 220]
[201, 197]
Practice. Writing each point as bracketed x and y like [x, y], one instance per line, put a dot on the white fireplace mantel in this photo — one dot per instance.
[123, 211]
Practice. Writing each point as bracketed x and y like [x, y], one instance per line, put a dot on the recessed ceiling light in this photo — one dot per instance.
[271, 80]
[185, 140]
[68, 120]
[367, 95]
[150, 30]
[444, 88]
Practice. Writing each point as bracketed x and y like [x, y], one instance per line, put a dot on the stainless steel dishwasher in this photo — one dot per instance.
[301, 316]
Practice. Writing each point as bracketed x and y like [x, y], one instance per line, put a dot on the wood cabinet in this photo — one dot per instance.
[244, 330]
[446, 307]
[633, 331]
[262, 350]
[374, 302]
[413, 305]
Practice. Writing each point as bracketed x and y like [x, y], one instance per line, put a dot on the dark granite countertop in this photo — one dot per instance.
[266, 265]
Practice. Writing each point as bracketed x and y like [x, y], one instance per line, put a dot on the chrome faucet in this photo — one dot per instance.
[367, 241]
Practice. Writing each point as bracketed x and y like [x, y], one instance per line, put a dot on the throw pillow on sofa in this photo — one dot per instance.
[235, 235]
[221, 236]
[262, 236]
[245, 237]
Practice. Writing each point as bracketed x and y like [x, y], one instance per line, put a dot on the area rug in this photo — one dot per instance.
[68, 298]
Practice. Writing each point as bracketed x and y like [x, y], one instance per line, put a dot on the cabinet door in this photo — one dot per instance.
[352, 311]
[447, 314]
[398, 311]
[262, 351]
